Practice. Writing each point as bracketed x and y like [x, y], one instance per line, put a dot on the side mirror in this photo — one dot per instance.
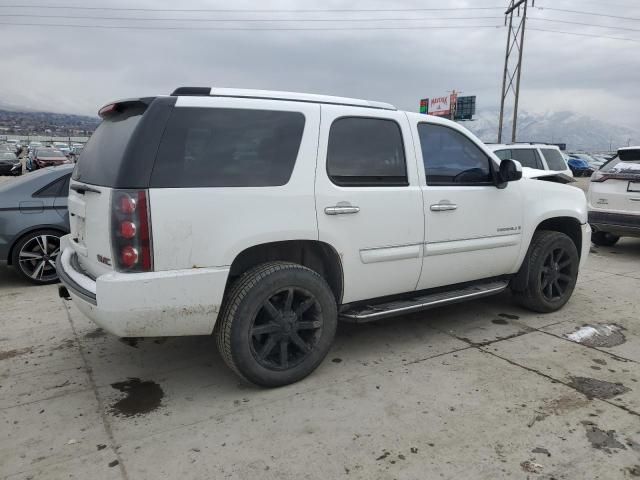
[510, 171]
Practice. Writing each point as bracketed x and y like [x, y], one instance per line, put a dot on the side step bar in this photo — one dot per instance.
[376, 311]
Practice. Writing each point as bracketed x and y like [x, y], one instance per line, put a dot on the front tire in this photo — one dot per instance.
[604, 239]
[552, 267]
[277, 324]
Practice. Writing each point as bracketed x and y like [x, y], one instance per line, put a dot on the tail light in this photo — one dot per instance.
[131, 231]
[600, 176]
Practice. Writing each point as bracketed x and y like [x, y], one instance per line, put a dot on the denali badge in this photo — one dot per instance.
[105, 260]
[510, 229]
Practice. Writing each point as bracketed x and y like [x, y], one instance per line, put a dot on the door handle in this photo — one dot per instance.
[341, 210]
[443, 207]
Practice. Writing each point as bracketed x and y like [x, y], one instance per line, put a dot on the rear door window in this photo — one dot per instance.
[554, 159]
[527, 157]
[225, 147]
[366, 152]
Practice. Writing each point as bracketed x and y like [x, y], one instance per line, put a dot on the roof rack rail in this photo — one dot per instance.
[275, 95]
[194, 91]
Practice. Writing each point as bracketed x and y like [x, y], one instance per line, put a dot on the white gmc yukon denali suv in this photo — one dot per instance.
[264, 217]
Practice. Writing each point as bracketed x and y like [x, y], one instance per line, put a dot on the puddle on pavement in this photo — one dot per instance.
[14, 353]
[598, 336]
[141, 397]
[594, 388]
[499, 321]
[602, 440]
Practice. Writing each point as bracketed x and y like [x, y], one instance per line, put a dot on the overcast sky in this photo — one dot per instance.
[77, 70]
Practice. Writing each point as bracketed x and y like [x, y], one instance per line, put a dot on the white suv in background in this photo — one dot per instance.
[614, 198]
[539, 156]
[262, 217]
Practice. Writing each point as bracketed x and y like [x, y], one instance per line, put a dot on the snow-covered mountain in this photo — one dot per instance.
[579, 132]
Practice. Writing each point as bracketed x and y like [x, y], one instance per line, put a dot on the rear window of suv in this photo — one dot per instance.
[227, 147]
[105, 151]
[554, 159]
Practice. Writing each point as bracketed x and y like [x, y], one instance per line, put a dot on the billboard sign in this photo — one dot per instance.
[440, 106]
[450, 106]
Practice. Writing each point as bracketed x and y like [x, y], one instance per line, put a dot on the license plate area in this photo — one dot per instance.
[633, 187]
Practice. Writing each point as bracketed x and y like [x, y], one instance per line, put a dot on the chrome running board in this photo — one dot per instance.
[375, 311]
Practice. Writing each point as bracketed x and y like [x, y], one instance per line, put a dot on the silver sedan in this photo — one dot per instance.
[33, 217]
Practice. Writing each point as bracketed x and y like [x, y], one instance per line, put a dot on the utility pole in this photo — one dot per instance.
[515, 46]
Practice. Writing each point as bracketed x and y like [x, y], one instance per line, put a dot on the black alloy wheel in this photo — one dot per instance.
[556, 274]
[286, 329]
[277, 323]
[549, 272]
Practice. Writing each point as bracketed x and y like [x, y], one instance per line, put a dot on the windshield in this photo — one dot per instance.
[554, 159]
[49, 153]
[7, 156]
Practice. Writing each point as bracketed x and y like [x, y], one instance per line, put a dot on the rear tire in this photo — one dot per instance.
[277, 324]
[553, 263]
[604, 239]
[34, 256]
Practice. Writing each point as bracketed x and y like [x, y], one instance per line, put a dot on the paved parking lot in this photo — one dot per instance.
[476, 390]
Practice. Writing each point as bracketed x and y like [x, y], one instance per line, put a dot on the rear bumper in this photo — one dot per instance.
[154, 304]
[616, 223]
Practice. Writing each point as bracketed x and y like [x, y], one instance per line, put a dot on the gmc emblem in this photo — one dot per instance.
[105, 260]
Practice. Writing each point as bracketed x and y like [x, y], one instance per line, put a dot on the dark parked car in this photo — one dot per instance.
[10, 164]
[33, 217]
[579, 164]
[46, 157]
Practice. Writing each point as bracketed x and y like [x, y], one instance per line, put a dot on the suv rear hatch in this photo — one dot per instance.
[115, 163]
[617, 184]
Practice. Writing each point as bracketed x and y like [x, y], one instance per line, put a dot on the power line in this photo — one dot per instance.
[607, 4]
[583, 24]
[586, 35]
[134, 27]
[596, 14]
[380, 19]
[282, 10]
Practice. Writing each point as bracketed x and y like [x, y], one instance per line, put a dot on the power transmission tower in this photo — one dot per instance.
[515, 47]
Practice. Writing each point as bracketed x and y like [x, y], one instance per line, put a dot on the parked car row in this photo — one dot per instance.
[70, 150]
